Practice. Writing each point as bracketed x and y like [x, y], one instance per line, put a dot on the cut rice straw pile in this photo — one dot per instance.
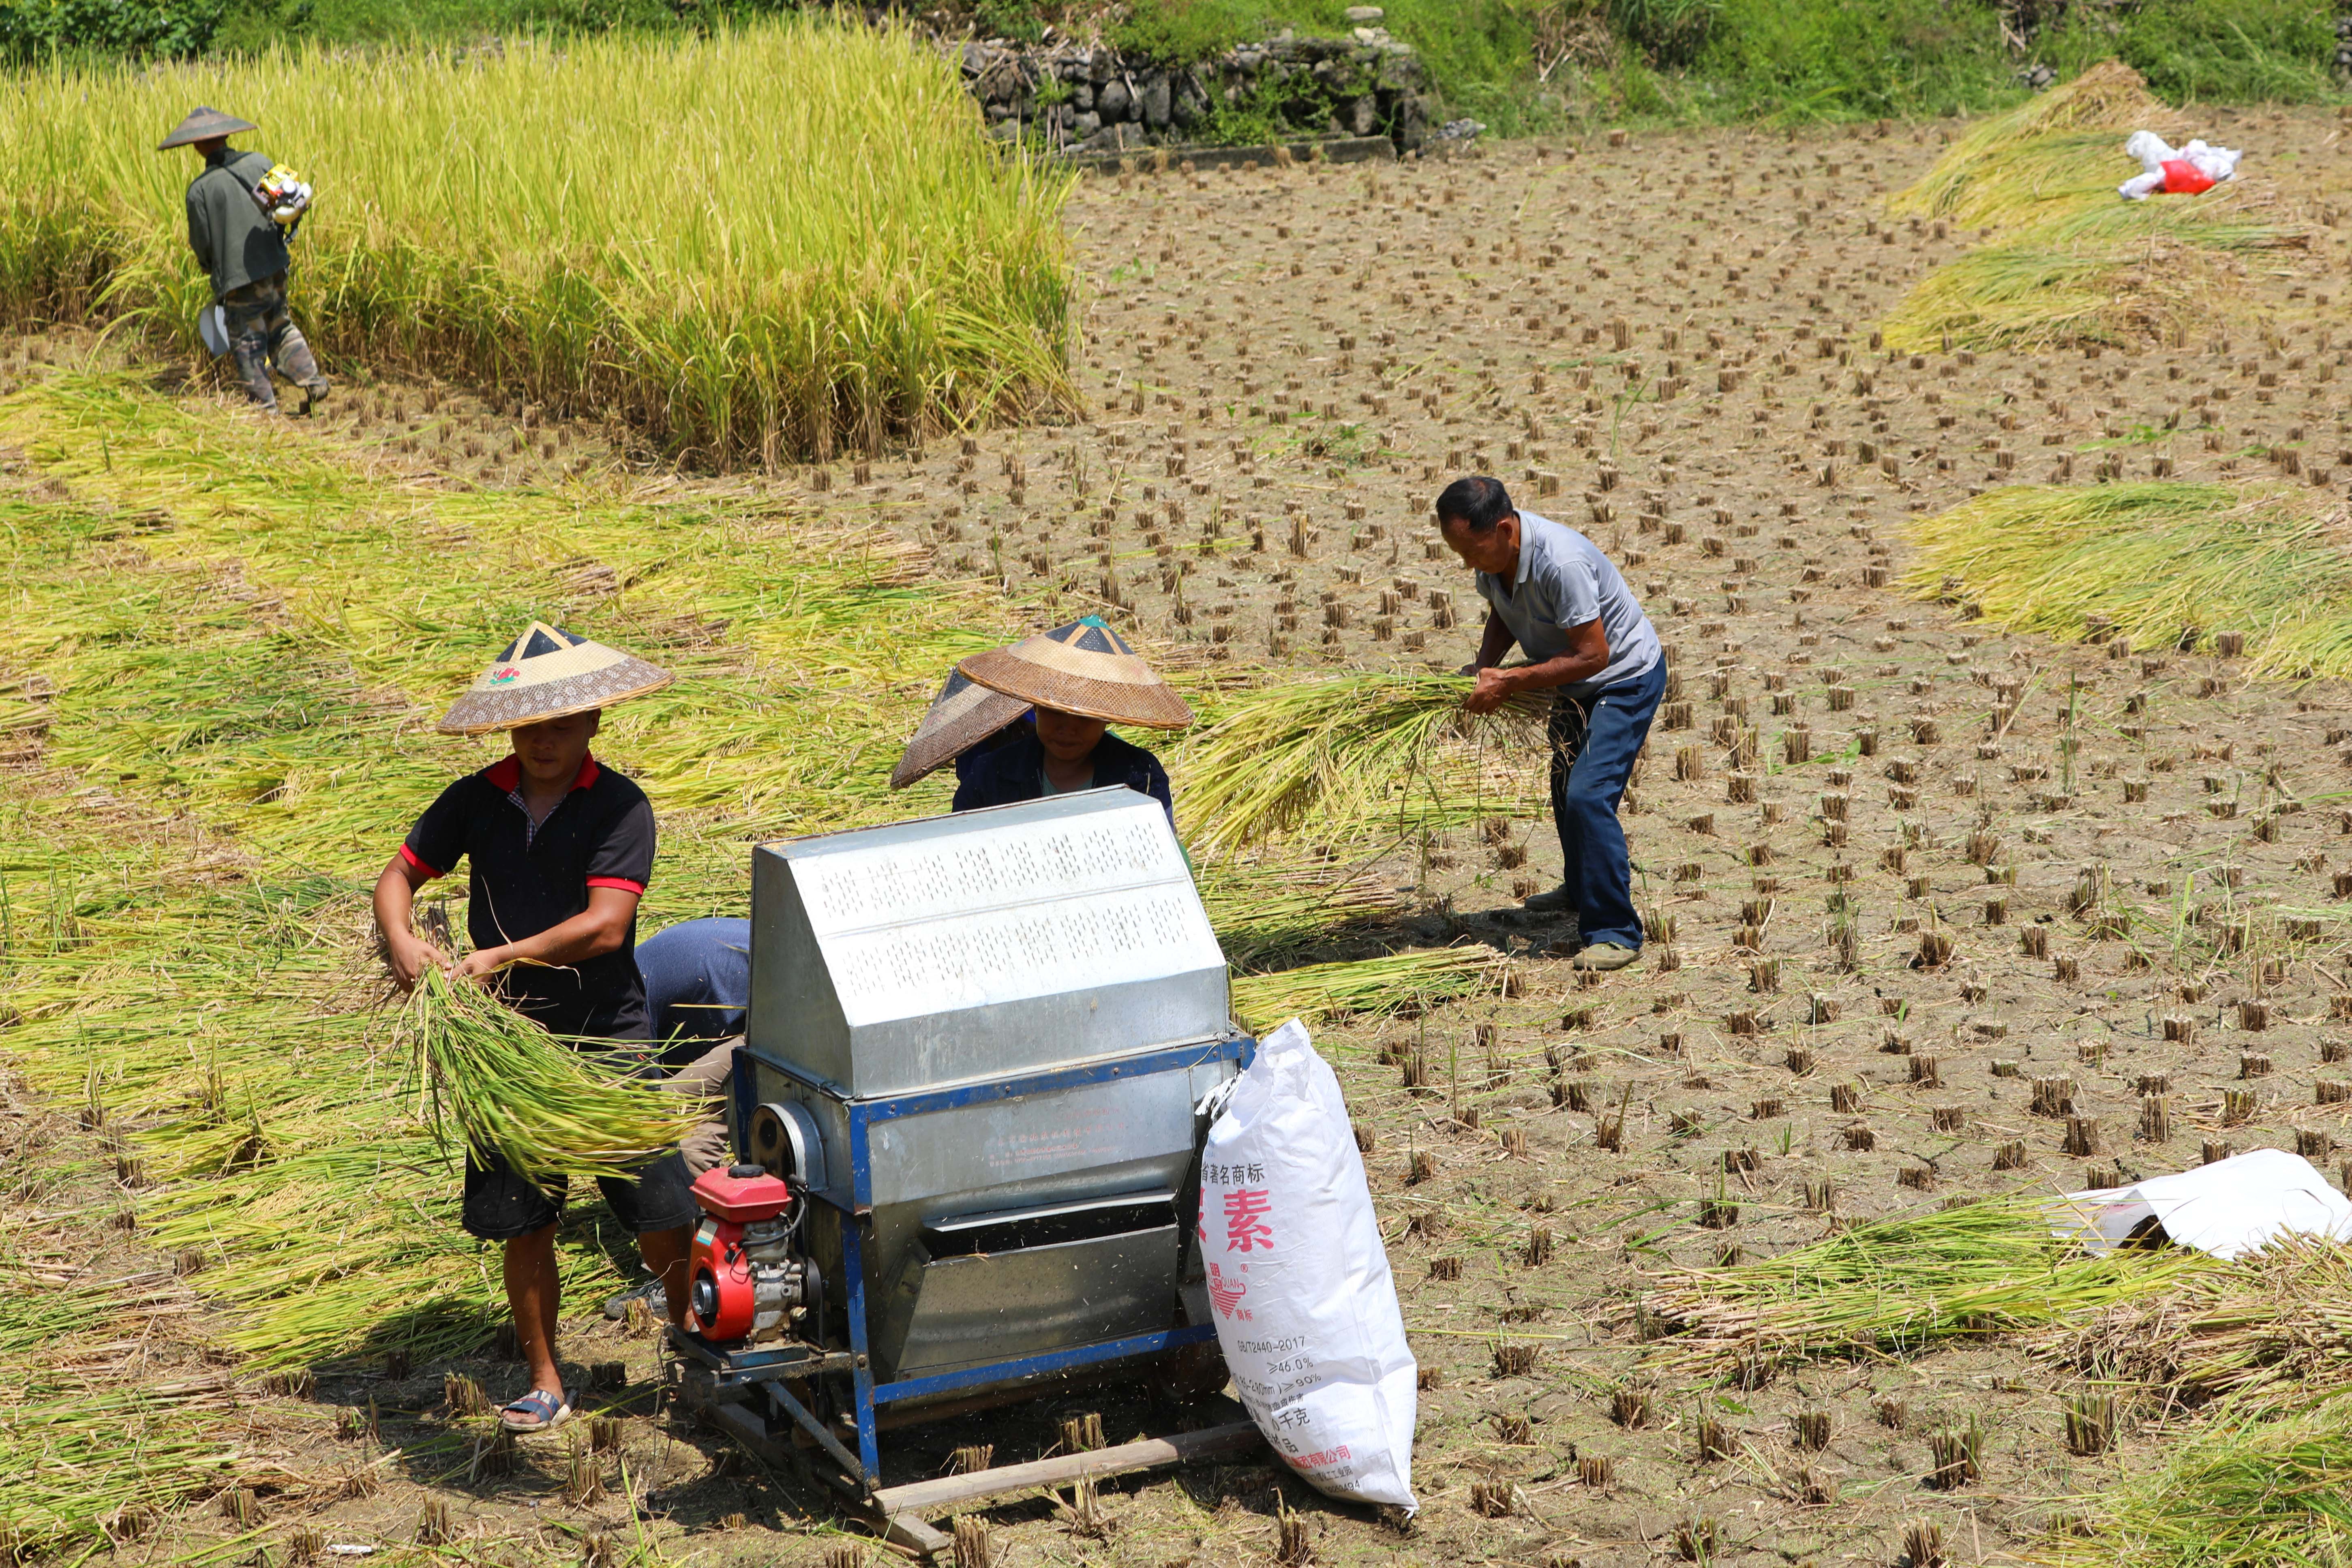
[2280, 1317]
[2069, 261]
[2158, 563]
[1899, 1285]
[2048, 153]
[2253, 1490]
[1351, 754]
[536, 1101]
[1394, 982]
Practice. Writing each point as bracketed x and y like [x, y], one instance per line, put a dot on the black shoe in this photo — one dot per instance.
[1557, 902]
[650, 1293]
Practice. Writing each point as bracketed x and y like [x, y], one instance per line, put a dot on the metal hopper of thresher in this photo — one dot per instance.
[995, 1028]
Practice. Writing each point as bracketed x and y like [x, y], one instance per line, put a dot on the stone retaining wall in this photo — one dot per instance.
[1083, 100]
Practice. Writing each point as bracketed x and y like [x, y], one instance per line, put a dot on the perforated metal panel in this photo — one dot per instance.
[932, 953]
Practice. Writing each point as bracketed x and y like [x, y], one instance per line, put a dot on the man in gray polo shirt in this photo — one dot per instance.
[1548, 589]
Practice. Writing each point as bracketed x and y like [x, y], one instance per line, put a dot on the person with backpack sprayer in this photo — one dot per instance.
[242, 211]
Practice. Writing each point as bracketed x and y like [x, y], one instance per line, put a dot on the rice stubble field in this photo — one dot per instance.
[1939, 907]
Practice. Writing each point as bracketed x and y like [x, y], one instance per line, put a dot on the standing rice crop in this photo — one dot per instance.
[2153, 562]
[763, 244]
[537, 1101]
[1354, 752]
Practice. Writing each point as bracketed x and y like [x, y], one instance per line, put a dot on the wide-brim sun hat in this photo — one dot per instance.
[202, 125]
[550, 673]
[1083, 668]
[960, 716]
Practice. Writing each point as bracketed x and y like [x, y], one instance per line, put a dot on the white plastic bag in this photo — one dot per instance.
[1307, 1313]
[2215, 164]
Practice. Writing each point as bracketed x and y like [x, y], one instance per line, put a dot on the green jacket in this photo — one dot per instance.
[233, 238]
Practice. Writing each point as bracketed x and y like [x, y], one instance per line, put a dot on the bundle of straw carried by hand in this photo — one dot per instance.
[534, 1100]
[1279, 753]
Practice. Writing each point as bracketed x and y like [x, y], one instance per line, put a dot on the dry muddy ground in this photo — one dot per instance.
[2115, 867]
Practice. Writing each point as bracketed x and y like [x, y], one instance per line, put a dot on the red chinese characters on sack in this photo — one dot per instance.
[1246, 1227]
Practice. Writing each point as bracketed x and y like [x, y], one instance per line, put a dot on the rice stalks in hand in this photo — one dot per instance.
[1350, 749]
[517, 1092]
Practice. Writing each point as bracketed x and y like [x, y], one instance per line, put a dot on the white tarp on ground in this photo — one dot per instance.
[2232, 1206]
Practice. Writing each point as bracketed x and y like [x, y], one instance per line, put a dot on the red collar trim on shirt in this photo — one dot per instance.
[506, 773]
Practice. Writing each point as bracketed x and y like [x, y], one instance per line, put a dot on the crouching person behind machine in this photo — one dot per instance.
[559, 849]
[1080, 679]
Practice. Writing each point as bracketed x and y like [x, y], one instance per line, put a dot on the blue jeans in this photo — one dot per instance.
[698, 977]
[1594, 740]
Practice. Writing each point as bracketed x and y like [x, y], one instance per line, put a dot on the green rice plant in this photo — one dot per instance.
[1899, 1285]
[2256, 1488]
[1355, 753]
[1396, 981]
[2161, 560]
[535, 1100]
[758, 245]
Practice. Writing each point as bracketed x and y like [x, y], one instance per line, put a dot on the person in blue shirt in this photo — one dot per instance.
[1551, 591]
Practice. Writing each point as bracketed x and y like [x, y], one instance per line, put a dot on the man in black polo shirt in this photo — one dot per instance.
[559, 849]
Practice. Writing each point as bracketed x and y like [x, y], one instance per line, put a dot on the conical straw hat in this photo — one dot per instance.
[960, 716]
[1085, 669]
[202, 125]
[547, 673]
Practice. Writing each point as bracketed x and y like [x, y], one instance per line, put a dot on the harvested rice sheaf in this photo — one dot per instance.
[547, 1107]
[1397, 982]
[2158, 563]
[2256, 1486]
[1980, 1269]
[1357, 754]
[2068, 261]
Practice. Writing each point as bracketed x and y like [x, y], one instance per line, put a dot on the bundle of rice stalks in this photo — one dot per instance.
[1394, 982]
[2158, 562]
[2257, 1488]
[1260, 909]
[2100, 273]
[2072, 262]
[1980, 1269]
[2281, 1316]
[2049, 151]
[535, 1100]
[1350, 752]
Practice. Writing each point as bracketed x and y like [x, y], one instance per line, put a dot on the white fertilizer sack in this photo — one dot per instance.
[1307, 1313]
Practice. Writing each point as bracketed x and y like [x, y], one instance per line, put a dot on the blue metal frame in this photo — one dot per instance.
[868, 1396]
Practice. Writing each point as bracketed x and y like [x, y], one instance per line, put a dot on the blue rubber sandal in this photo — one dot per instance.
[538, 1411]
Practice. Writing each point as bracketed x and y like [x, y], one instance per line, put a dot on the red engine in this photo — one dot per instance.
[744, 1280]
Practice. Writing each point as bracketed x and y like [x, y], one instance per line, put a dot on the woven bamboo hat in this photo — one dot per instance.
[960, 716]
[1082, 667]
[202, 125]
[547, 673]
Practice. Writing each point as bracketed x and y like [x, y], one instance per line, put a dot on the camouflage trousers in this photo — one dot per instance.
[263, 337]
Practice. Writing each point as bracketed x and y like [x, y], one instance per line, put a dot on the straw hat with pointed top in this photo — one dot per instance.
[960, 716]
[1083, 668]
[202, 125]
[547, 673]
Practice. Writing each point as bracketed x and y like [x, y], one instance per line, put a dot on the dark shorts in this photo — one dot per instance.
[501, 1205]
